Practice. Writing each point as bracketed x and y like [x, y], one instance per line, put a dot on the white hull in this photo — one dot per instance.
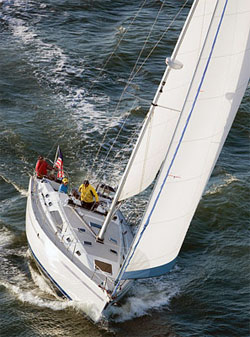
[71, 274]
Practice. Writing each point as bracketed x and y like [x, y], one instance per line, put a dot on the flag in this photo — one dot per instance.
[59, 164]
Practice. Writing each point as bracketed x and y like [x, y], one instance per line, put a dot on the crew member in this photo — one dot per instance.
[42, 168]
[63, 188]
[88, 193]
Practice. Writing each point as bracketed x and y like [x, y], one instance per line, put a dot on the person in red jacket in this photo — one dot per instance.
[42, 167]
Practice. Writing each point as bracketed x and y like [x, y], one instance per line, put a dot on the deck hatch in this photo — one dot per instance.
[106, 267]
[57, 219]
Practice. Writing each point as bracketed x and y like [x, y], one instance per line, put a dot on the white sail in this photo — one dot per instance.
[168, 102]
[218, 84]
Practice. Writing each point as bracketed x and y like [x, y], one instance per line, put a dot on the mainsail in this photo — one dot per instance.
[163, 115]
[198, 103]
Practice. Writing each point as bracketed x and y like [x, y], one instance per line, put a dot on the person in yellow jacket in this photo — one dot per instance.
[88, 193]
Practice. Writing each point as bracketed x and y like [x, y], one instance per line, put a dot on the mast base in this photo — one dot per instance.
[100, 240]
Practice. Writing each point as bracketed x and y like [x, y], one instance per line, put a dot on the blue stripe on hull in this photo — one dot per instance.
[151, 272]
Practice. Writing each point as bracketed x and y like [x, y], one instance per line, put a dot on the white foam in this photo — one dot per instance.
[19, 30]
[40, 281]
[217, 188]
[21, 190]
[6, 237]
[45, 288]
[49, 53]
[30, 296]
[37, 298]
[87, 308]
[146, 296]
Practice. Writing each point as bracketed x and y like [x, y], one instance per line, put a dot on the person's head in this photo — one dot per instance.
[86, 182]
[65, 181]
[40, 157]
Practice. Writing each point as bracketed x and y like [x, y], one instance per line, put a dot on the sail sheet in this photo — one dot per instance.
[211, 102]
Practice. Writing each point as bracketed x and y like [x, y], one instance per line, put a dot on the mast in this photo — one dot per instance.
[146, 123]
[57, 151]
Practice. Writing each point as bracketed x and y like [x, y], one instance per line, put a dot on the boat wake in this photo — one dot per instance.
[31, 296]
[16, 281]
[36, 291]
[55, 302]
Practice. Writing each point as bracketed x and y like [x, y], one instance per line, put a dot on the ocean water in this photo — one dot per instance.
[63, 69]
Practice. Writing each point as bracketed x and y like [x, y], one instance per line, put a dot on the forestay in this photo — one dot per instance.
[207, 90]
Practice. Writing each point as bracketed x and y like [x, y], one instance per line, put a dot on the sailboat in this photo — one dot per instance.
[92, 255]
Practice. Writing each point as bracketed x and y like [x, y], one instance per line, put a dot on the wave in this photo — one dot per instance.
[54, 62]
[21, 190]
[61, 72]
[217, 188]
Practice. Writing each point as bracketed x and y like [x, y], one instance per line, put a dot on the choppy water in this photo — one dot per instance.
[63, 68]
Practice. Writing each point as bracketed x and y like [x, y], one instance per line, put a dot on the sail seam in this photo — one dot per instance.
[167, 108]
[203, 138]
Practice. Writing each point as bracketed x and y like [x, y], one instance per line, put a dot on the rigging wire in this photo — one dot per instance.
[157, 43]
[117, 45]
[132, 76]
[129, 81]
[101, 71]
